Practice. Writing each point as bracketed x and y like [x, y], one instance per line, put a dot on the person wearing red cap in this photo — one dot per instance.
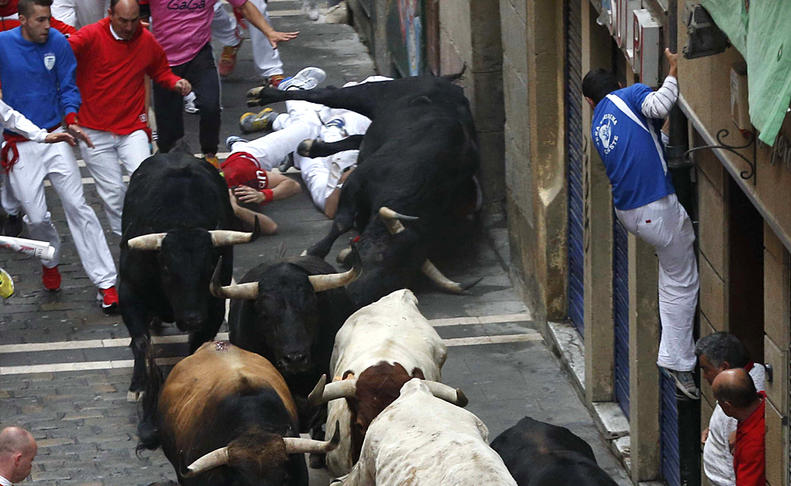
[252, 186]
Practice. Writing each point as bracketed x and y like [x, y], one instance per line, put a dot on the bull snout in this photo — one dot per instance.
[294, 363]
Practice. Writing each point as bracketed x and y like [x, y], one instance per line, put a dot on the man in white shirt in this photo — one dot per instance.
[17, 450]
[719, 352]
[15, 121]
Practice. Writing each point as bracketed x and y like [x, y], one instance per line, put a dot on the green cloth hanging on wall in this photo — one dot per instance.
[762, 35]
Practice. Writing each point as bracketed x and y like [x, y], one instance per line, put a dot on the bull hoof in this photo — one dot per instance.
[134, 396]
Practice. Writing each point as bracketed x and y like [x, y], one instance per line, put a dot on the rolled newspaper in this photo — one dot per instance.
[38, 249]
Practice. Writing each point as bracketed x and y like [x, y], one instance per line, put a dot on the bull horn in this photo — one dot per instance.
[447, 393]
[329, 281]
[343, 254]
[392, 220]
[216, 458]
[227, 237]
[246, 291]
[388, 213]
[324, 392]
[297, 445]
[151, 241]
[444, 282]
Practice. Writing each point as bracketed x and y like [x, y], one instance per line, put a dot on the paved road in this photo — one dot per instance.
[65, 367]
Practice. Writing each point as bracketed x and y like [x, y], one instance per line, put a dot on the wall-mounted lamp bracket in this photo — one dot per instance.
[745, 174]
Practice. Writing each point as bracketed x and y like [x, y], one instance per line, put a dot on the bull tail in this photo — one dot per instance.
[148, 428]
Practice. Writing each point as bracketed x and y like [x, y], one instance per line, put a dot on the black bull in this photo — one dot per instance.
[417, 158]
[175, 225]
[288, 311]
[541, 454]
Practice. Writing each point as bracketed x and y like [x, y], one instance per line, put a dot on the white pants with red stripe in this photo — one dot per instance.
[666, 226]
[56, 162]
[111, 156]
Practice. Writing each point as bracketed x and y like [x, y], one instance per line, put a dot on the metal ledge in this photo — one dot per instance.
[735, 172]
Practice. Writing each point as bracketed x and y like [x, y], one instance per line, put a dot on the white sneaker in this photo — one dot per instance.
[307, 78]
[189, 103]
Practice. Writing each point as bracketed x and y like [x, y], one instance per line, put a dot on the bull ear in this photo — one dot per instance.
[444, 392]
[151, 241]
[329, 281]
[443, 282]
[227, 237]
[296, 445]
[246, 291]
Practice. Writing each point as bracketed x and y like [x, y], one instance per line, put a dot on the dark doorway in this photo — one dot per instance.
[746, 272]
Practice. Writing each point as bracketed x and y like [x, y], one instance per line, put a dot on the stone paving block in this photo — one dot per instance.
[44, 443]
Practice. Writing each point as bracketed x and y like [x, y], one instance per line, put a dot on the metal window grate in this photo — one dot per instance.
[574, 168]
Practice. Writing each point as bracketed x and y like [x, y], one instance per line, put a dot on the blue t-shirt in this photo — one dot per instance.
[632, 157]
[38, 79]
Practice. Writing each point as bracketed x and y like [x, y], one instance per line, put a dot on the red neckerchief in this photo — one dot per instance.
[749, 366]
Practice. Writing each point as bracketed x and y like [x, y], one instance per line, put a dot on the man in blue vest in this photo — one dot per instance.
[626, 131]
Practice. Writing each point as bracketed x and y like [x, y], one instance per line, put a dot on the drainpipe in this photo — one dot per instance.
[681, 172]
[678, 143]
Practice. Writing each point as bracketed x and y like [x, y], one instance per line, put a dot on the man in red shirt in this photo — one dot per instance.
[113, 57]
[735, 392]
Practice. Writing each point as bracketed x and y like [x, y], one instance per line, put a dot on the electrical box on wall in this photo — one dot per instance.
[647, 49]
[625, 26]
[740, 107]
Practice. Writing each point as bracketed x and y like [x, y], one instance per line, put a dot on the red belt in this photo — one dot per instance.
[11, 140]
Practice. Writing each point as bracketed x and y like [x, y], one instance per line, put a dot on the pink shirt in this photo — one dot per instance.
[183, 27]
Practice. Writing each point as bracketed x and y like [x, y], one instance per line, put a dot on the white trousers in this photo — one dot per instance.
[266, 58]
[111, 156]
[666, 226]
[321, 175]
[56, 162]
[301, 122]
[224, 27]
[8, 200]
[79, 13]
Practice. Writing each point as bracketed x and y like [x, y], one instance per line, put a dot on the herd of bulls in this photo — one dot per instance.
[311, 348]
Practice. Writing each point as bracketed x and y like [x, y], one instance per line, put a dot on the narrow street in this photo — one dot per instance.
[65, 367]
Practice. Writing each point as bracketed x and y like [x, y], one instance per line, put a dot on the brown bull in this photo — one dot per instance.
[226, 417]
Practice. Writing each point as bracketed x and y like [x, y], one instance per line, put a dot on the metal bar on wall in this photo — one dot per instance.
[734, 171]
